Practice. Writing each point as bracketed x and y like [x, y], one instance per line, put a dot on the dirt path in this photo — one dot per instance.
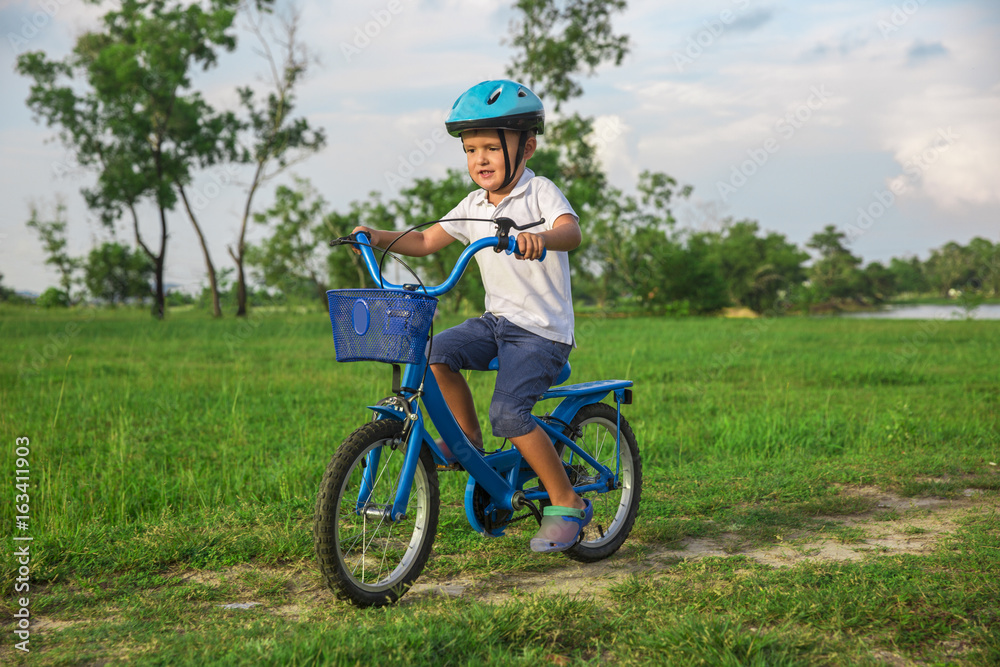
[895, 526]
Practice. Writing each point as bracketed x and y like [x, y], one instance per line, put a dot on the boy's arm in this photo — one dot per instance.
[413, 244]
[565, 235]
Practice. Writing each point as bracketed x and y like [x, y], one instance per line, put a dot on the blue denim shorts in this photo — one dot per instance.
[529, 364]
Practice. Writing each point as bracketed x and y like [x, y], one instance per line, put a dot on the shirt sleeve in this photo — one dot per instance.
[552, 203]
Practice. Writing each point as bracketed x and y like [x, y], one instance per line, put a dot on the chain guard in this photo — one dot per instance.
[493, 521]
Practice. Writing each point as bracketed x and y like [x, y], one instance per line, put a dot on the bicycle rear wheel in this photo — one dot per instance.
[364, 556]
[615, 510]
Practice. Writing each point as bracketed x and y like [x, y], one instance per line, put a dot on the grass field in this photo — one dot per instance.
[174, 466]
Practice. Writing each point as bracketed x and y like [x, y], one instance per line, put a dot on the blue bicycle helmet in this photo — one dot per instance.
[499, 105]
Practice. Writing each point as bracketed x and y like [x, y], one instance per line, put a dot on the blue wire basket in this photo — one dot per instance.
[380, 325]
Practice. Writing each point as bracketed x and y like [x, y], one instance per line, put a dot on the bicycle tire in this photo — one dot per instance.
[615, 510]
[363, 557]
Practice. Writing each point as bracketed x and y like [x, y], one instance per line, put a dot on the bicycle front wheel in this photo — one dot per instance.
[615, 510]
[365, 556]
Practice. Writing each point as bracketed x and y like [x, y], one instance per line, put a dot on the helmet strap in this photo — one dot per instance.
[509, 172]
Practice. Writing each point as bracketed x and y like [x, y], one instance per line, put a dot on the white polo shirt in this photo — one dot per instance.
[533, 295]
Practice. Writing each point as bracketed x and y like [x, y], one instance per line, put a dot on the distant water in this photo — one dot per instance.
[987, 311]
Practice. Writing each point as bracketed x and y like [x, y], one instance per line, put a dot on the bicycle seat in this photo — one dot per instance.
[563, 374]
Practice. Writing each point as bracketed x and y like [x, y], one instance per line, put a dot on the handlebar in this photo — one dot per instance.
[363, 244]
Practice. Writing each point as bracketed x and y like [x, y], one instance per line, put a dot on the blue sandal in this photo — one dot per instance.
[561, 528]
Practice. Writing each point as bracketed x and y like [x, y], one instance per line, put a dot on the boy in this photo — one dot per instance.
[529, 320]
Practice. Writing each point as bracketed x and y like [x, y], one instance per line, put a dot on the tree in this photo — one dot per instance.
[675, 276]
[757, 270]
[971, 268]
[277, 140]
[123, 104]
[908, 275]
[53, 297]
[618, 256]
[985, 256]
[289, 259]
[557, 39]
[835, 275]
[53, 236]
[879, 282]
[949, 267]
[115, 274]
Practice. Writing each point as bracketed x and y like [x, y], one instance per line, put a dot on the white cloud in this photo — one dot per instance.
[611, 142]
[946, 141]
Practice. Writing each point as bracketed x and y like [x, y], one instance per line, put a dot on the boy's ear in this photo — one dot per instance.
[529, 147]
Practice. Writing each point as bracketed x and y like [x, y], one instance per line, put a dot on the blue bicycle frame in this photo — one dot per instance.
[501, 474]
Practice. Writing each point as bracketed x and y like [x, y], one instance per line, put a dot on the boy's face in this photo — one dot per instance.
[485, 156]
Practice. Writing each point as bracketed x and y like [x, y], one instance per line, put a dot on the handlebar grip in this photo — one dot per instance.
[512, 247]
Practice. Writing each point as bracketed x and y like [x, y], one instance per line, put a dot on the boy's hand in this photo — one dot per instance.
[531, 245]
[373, 236]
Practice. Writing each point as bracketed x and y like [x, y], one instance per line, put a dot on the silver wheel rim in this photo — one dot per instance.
[598, 439]
[367, 546]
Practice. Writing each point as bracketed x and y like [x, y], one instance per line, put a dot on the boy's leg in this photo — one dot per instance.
[469, 345]
[458, 396]
[528, 365]
[538, 452]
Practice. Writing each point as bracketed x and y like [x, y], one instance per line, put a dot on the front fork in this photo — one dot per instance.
[414, 435]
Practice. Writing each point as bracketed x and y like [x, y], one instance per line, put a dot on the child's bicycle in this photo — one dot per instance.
[377, 509]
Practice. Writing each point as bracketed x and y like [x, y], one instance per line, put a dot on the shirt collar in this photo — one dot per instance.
[522, 185]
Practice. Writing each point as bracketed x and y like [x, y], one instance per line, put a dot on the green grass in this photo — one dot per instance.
[174, 467]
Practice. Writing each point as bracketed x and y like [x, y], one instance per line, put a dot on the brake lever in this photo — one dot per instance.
[351, 239]
[504, 225]
[509, 224]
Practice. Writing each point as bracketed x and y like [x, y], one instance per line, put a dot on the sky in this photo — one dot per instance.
[880, 118]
